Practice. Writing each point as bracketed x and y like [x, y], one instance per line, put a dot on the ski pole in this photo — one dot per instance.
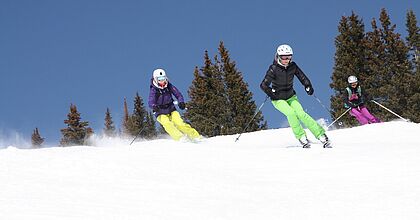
[390, 111]
[138, 135]
[328, 110]
[338, 117]
[256, 112]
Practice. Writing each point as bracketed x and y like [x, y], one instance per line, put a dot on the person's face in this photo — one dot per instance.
[285, 59]
[354, 84]
[162, 81]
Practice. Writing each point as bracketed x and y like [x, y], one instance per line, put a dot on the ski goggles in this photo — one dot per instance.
[285, 57]
[161, 78]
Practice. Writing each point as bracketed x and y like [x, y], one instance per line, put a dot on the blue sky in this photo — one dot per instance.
[95, 53]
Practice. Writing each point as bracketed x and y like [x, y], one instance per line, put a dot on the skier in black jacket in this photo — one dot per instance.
[278, 85]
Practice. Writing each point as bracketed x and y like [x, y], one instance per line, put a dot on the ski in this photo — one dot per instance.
[308, 145]
[326, 144]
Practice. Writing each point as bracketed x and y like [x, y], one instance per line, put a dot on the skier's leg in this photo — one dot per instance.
[184, 127]
[169, 127]
[359, 116]
[306, 119]
[368, 115]
[288, 111]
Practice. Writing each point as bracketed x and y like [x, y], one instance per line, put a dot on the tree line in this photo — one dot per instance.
[221, 104]
[386, 65]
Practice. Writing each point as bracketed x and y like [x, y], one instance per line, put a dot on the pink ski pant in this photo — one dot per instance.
[363, 115]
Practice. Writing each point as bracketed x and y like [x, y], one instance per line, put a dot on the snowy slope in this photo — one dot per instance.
[373, 172]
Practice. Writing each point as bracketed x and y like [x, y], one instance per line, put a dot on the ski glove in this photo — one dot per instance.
[309, 90]
[352, 105]
[181, 105]
[271, 94]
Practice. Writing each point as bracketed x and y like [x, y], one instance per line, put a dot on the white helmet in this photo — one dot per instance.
[160, 79]
[284, 49]
[158, 72]
[352, 79]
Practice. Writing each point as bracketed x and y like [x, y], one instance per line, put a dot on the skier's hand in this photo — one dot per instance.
[155, 108]
[181, 105]
[352, 105]
[309, 90]
[272, 95]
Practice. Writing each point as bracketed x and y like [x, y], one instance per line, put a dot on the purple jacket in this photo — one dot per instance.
[162, 98]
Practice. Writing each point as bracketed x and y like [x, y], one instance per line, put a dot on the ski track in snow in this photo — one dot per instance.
[372, 172]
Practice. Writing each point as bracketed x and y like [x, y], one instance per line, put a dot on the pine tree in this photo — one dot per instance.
[349, 60]
[126, 121]
[389, 68]
[375, 54]
[138, 118]
[37, 140]
[77, 132]
[400, 74]
[150, 130]
[221, 102]
[208, 109]
[241, 106]
[109, 129]
[413, 42]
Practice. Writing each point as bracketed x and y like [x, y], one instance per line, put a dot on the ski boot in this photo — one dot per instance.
[305, 142]
[325, 141]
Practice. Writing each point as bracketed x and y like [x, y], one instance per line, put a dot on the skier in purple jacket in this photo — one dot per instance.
[162, 102]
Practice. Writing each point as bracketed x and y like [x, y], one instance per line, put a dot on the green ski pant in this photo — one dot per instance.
[295, 113]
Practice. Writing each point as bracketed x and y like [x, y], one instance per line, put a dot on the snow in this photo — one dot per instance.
[372, 172]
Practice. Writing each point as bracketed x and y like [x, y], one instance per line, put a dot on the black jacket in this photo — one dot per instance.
[281, 81]
[353, 97]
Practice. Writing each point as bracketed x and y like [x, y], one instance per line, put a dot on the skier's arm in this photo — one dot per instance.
[347, 101]
[176, 93]
[266, 83]
[152, 97]
[363, 96]
[303, 78]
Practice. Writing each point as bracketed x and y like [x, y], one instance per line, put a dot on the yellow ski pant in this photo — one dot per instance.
[176, 127]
